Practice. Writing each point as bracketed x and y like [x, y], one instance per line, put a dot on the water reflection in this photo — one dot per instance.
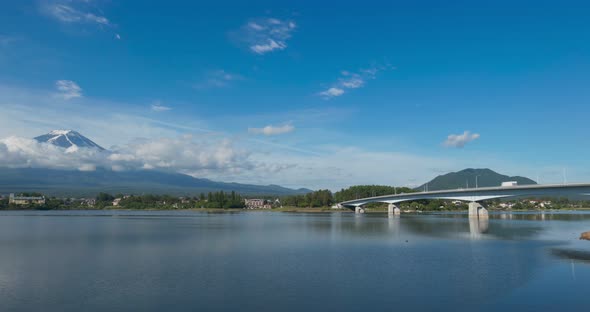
[427, 226]
[473, 272]
[572, 254]
[394, 224]
[477, 227]
[270, 261]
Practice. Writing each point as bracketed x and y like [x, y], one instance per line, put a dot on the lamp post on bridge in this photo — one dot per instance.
[476, 182]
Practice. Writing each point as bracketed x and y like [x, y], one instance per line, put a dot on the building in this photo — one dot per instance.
[91, 202]
[26, 200]
[255, 203]
[510, 183]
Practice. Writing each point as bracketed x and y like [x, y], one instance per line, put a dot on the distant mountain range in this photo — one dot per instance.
[59, 182]
[62, 182]
[88, 183]
[467, 178]
[67, 139]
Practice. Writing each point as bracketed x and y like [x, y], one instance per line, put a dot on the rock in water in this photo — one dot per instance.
[585, 235]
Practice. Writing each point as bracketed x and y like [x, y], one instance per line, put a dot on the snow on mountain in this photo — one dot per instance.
[68, 139]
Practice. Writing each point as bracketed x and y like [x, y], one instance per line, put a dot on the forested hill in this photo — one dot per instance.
[467, 178]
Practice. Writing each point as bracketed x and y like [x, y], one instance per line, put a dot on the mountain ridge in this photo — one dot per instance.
[59, 182]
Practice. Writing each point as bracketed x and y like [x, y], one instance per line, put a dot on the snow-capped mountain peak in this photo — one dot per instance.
[68, 139]
[61, 132]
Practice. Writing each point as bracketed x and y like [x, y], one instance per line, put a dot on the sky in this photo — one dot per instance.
[302, 93]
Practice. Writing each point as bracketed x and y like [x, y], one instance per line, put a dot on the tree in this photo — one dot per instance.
[104, 197]
[320, 198]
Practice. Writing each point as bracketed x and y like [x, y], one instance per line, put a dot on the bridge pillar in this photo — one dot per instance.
[476, 210]
[359, 209]
[392, 209]
[473, 207]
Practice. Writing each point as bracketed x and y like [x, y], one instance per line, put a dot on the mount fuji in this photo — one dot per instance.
[67, 139]
[71, 182]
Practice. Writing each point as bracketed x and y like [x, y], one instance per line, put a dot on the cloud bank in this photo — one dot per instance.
[182, 154]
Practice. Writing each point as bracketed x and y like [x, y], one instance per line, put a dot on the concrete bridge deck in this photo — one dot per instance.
[475, 195]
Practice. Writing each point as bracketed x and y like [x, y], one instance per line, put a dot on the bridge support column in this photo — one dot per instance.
[477, 211]
[359, 209]
[392, 209]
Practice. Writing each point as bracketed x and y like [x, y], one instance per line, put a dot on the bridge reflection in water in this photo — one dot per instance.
[447, 225]
[478, 226]
[503, 252]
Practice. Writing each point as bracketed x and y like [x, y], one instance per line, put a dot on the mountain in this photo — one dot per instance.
[67, 139]
[60, 182]
[467, 177]
[73, 183]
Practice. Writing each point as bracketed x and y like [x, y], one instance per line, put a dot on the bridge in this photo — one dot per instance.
[474, 196]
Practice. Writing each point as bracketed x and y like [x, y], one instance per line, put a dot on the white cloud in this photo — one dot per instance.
[117, 36]
[332, 92]
[350, 80]
[264, 35]
[256, 27]
[217, 79]
[353, 82]
[268, 46]
[272, 130]
[23, 152]
[158, 107]
[68, 89]
[182, 154]
[72, 11]
[460, 140]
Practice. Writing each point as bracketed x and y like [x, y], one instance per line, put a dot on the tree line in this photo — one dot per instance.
[325, 198]
[321, 198]
[363, 191]
[150, 201]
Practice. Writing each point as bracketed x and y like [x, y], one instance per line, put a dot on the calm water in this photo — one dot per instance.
[190, 261]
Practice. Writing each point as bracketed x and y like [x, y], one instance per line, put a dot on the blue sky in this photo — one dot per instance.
[305, 93]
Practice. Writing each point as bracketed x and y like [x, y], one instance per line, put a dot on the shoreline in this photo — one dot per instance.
[305, 210]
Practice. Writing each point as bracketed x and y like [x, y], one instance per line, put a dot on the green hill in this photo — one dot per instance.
[467, 177]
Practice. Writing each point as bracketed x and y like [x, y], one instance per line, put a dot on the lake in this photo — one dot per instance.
[268, 261]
